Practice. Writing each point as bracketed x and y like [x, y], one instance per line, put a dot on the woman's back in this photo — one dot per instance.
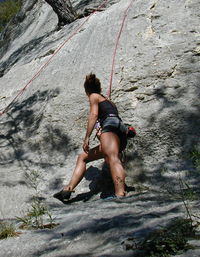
[106, 108]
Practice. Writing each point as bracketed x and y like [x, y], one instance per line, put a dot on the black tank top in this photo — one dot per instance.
[106, 107]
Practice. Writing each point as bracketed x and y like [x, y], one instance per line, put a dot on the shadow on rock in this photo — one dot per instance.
[27, 139]
[100, 183]
[102, 219]
[172, 128]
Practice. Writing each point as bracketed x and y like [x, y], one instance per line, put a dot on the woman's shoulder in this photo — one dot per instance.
[95, 97]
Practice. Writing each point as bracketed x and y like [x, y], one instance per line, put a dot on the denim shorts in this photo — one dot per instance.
[115, 125]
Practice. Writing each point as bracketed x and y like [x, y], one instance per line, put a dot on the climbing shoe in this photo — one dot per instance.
[62, 195]
[112, 197]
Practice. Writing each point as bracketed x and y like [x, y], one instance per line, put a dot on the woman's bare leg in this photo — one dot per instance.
[80, 168]
[110, 145]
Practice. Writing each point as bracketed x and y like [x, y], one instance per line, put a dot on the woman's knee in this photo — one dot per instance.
[82, 157]
[85, 157]
[112, 159]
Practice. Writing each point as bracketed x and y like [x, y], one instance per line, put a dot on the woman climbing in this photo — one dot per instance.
[112, 137]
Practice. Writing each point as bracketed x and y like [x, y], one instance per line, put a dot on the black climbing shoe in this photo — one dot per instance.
[62, 195]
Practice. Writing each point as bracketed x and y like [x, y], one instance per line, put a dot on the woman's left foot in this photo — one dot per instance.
[113, 196]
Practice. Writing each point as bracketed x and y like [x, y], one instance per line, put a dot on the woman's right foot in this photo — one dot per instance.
[63, 195]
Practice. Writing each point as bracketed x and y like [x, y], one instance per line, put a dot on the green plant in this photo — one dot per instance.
[169, 240]
[189, 193]
[185, 191]
[7, 230]
[173, 238]
[8, 9]
[37, 217]
[166, 241]
[33, 178]
[195, 155]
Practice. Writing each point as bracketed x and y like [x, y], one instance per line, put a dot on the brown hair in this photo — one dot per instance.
[92, 84]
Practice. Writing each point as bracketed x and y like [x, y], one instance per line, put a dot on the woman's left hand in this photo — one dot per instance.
[98, 133]
[86, 147]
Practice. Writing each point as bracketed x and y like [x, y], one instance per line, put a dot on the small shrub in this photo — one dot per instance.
[195, 155]
[185, 192]
[33, 178]
[7, 230]
[37, 217]
[170, 240]
[8, 9]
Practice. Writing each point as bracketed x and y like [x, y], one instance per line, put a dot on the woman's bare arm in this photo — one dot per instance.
[92, 118]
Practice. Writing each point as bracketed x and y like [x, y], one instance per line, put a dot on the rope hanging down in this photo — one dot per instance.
[6, 109]
[115, 49]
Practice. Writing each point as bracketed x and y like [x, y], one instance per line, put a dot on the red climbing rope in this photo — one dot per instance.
[115, 49]
[49, 60]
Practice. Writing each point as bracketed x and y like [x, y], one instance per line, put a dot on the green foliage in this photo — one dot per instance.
[37, 217]
[195, 155]
[8, 9]
[166, 241]
[33, 178]
[169, 240]
[186, 192]
[7, 230]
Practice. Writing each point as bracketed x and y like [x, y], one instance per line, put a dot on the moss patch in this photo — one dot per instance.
[8, 9]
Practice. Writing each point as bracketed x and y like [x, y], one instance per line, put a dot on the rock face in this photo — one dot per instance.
[155, 86]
